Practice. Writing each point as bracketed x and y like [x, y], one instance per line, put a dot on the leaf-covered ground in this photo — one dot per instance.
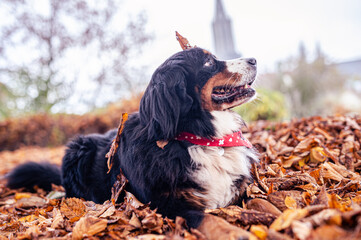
[307, 186]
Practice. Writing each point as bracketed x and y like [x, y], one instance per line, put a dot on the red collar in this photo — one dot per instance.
[235, 139]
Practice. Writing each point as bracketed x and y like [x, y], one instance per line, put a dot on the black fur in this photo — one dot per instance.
[171, 104]
[33, 174]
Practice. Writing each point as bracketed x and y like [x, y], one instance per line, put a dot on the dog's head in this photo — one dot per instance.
[189, 85]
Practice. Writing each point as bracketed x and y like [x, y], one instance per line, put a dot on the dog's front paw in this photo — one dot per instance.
[215, 228]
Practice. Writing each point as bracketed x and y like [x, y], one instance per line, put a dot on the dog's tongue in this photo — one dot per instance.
[225, 95]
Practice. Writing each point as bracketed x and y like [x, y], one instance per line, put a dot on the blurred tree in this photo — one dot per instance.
[44, 44]
[305, 83]
[7, 100]
[269, 105]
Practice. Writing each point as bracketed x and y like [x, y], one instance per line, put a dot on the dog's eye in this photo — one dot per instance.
[210, 62]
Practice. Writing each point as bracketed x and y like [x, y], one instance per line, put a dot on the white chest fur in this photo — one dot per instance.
[216, 172]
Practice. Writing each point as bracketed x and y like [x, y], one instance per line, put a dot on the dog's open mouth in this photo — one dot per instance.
[229, 94]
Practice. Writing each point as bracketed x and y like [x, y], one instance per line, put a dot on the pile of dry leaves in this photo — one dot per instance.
[306, 187]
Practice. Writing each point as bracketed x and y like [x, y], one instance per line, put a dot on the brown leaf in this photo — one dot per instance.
[132, 200]
[118, 186]
[183, 41]
[330, 173]
[278, 199]
[58, 220]
[306, 145]
[330, 232]
[148, 237]
[262, 205]
[301, 230]
[311, 188]
[115, 143]
[31, 233]
[331, 216]
[88, 226]
[153, 222]
[100, 210]
[134, 221]
[244, 217]
[32, 201]
[72, 208]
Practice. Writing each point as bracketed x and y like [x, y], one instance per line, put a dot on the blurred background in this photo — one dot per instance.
[73, 66]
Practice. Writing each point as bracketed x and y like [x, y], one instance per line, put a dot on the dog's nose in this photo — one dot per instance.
[252, 61]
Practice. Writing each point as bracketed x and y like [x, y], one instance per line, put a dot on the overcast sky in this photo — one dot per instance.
[268, 30]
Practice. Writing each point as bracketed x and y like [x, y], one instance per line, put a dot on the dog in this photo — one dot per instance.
[203, 162]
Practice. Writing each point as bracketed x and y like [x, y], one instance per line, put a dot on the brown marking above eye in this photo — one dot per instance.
[206, 52]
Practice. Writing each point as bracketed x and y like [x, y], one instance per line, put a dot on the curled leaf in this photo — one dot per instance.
[183, 41]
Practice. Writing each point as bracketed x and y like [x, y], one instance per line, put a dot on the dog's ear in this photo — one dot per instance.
[164, 103]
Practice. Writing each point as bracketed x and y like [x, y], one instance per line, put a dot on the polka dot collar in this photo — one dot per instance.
[232, 140]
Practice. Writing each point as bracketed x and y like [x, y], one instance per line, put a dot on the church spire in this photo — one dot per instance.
[219, 10]
[222, 34]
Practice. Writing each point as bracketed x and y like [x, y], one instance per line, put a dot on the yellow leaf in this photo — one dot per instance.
[335, 201]
[317, 155]
[288, 161]
[335, 220]
[28, 218]
[260, 231]
[287, 217]
[290, 202]
[302, 163]
[22, 195]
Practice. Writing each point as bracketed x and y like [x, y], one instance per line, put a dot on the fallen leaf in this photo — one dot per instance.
[287, 217]
[301, 230]
[278, 199]
[148, 237]
[30, 202]
[134, 221]
[262, 205]
[244, 217]
[58, 220]
[20, 195]
[28, 218]
[317, 155]
[290, 202]
[72, 208]
[259, 231]
[88, 226]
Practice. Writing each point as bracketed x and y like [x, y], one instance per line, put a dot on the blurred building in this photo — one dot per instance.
[350, 68]
[223, 34]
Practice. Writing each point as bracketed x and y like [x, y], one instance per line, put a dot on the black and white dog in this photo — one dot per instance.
[205, 162]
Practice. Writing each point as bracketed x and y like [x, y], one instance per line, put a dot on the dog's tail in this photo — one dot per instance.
[33, 174]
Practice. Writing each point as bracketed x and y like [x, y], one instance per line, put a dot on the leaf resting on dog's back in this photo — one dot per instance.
[183, 41]
[115, 144]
